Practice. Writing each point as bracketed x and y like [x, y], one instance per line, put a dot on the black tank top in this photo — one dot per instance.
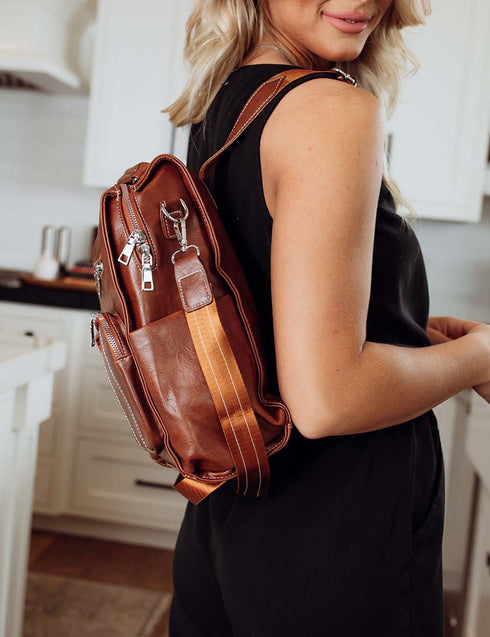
[399, 300]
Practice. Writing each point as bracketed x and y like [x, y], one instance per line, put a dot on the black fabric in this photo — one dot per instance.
[348, 542]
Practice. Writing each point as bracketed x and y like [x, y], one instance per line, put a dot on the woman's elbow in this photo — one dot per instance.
[316, 423]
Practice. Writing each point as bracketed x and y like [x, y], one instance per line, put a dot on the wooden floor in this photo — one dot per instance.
[103, 561]
[109, 562]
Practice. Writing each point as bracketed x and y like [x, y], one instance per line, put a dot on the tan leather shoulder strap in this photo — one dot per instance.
[259, 99]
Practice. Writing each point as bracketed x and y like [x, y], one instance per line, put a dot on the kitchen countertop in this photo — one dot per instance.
[25, 358]
[12, 288]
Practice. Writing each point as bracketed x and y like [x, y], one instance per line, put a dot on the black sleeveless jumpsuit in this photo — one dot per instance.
[348, 543]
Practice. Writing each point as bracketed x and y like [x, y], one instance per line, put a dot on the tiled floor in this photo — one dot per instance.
[103, 561]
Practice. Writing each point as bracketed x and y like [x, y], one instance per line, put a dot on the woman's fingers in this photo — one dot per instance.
[451, 326]
[436, 336]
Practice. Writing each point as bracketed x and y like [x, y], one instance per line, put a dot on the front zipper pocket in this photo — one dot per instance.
[119, 366]
[137, 239]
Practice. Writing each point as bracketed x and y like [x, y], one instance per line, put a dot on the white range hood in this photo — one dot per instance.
[39, 43]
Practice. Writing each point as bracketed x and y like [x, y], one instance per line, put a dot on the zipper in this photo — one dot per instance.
[146, 265]
[111, 339]
[93, 317]
[99, 320]
[136, 238]
[98, 269]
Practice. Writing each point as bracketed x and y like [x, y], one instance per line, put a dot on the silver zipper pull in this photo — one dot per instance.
[136, 237]
[146, 264]
[98, 269]
[181, 234]
[93, 316]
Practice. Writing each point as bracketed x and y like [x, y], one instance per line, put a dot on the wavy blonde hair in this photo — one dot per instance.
[221, 33]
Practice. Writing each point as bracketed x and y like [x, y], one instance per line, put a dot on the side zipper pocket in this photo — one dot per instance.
[115, 353]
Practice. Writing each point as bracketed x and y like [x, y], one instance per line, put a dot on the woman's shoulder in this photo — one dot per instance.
[314, 96]
[320, 132]
[324, 100]
[325, 108]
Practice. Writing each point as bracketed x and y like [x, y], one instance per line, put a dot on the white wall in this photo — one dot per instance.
[42, 139]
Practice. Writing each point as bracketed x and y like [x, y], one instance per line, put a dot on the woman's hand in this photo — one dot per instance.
[446, 328]
[484, 331]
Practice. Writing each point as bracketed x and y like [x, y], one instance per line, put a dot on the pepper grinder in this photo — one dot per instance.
[47, 266]
[63, 248]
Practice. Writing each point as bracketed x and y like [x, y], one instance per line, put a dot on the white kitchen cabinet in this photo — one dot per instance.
[440, 129]
[51, 493]
[477, 621]
[137, 71]
[477, 610]
[118, 482]
[452, 417]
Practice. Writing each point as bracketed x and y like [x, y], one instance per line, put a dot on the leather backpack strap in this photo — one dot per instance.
[225, 383]
[259, 99]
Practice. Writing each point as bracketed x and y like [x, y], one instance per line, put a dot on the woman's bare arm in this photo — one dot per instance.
[321, 154]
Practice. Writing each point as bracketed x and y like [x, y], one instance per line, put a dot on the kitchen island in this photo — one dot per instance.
[27, 366]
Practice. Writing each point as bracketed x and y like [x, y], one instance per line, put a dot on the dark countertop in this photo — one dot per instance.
[44, 295]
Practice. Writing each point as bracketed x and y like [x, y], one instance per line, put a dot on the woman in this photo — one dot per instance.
[348, 543]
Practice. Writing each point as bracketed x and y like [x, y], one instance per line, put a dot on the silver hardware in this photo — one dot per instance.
[346, 75]
[169, 213]
[146, 265]
[135, 238]
[93, 316]
[98, 269]
[181, 234]
[189, 246]
[181, 231]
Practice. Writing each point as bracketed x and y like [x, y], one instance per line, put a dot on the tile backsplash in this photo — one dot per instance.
[42, 142]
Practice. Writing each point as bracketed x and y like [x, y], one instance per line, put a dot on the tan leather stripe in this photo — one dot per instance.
[230, 397]
[261, 464]
[193, 490]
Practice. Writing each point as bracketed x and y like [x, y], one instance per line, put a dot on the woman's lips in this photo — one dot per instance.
[346, 27]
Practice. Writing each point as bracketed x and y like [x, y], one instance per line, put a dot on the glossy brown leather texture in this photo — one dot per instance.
[178, 328]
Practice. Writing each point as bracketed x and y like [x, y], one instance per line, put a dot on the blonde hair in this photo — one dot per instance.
[221, 33]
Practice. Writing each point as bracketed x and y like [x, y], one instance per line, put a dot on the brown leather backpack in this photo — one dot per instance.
[178, 328]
